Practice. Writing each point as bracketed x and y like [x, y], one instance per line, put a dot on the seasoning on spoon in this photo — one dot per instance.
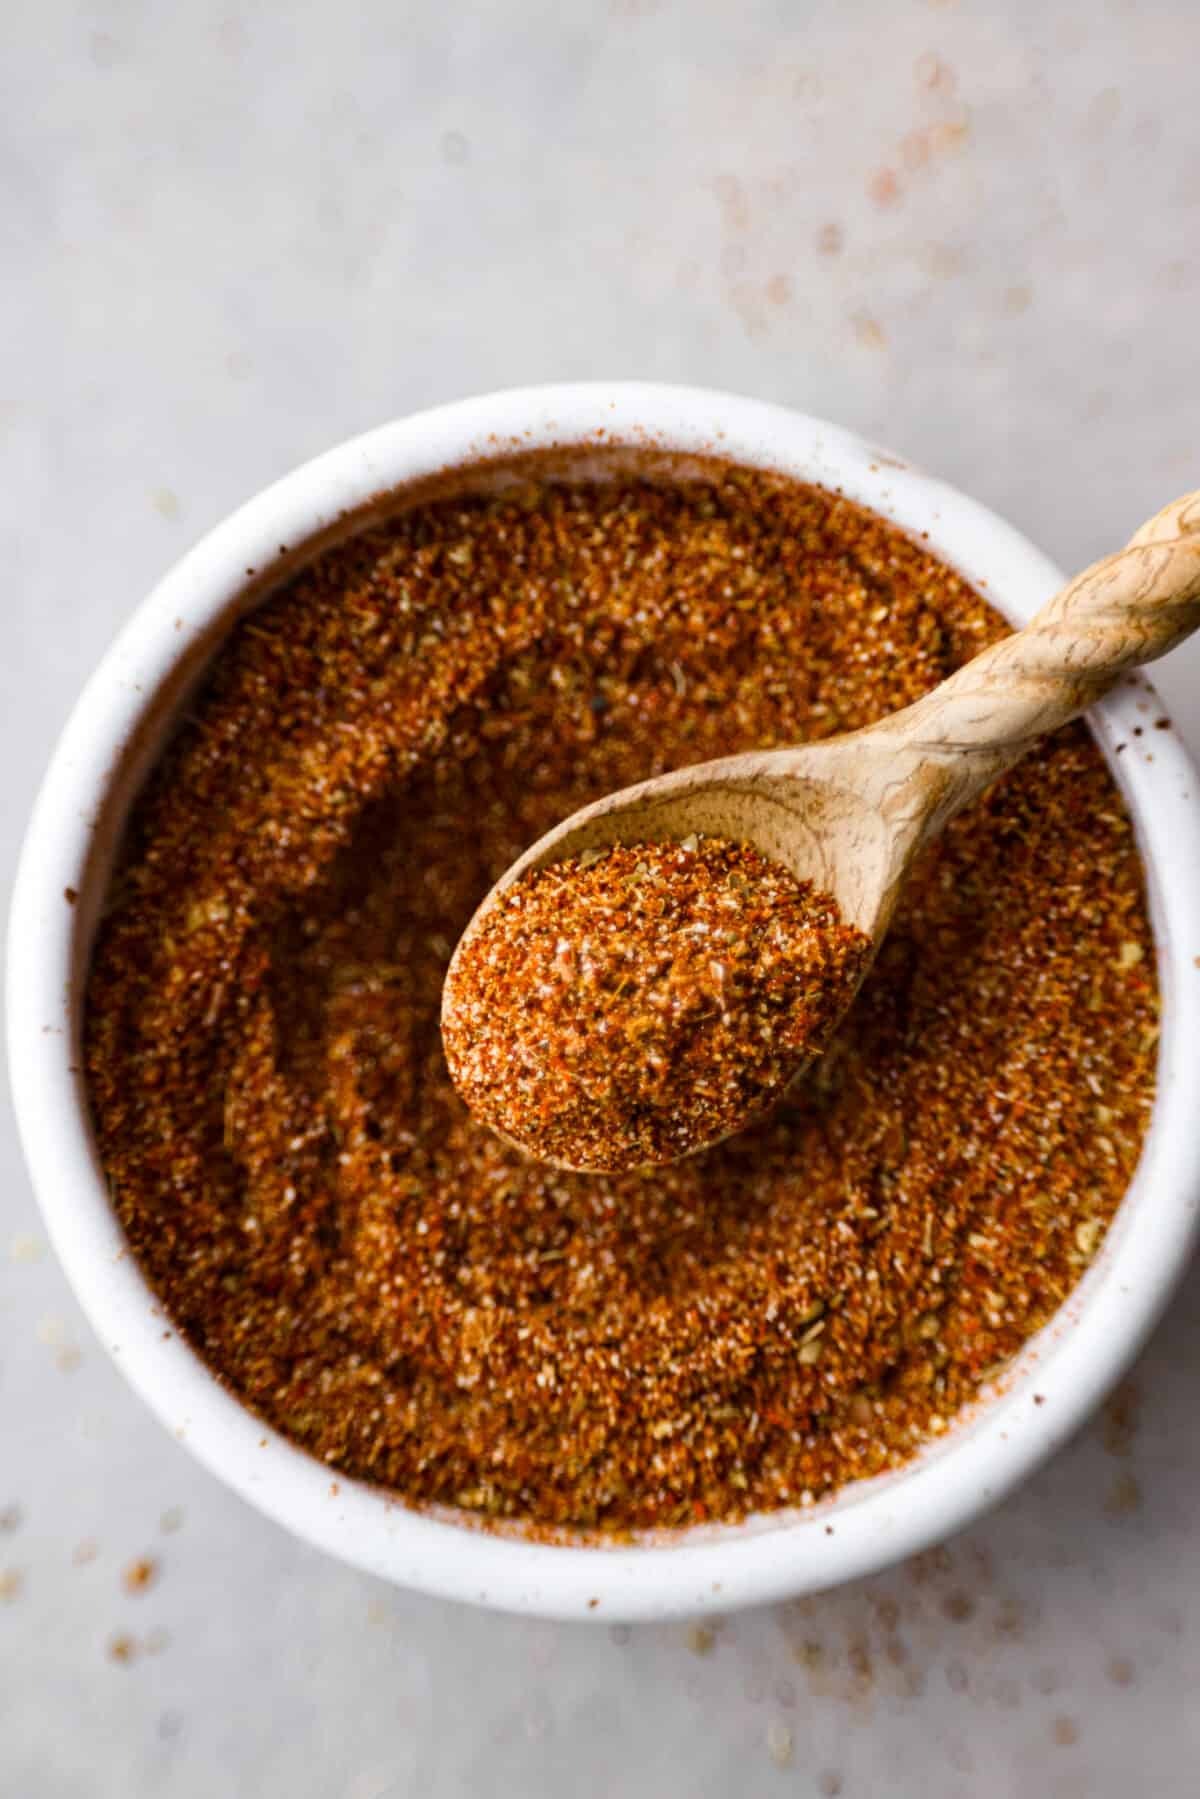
[633, 1004]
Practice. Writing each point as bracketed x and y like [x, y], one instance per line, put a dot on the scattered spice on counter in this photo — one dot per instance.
[779, 1743]
[635, 1003]
[413, 1301]
[1124, 1496]
[1120, 1417]
[140, 1575]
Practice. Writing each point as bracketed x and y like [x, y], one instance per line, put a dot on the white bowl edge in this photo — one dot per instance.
[1068, 1366]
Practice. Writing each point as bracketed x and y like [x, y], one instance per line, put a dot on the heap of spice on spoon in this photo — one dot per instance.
[654, 973]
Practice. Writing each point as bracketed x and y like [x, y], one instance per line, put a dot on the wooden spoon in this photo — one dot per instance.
[850, 813]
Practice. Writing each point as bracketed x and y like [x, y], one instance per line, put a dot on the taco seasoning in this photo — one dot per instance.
[412, 1300]
[633, 1004]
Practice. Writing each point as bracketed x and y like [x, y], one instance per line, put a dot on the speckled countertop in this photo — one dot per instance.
[234, 236]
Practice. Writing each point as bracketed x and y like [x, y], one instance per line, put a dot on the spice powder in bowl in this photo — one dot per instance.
[389, 1283]
[631, 1005]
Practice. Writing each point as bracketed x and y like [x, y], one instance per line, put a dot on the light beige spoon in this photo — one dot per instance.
[850, 813]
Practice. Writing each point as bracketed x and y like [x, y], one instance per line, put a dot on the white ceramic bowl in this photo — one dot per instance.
[116, 730]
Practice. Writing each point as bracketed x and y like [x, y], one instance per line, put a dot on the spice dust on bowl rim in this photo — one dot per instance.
[113, 738]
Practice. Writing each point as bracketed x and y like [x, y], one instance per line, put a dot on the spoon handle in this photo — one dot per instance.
[1125, 610]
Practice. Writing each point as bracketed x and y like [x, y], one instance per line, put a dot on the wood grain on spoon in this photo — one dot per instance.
[850, 813]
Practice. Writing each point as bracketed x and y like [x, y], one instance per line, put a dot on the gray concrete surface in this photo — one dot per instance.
[232, 236]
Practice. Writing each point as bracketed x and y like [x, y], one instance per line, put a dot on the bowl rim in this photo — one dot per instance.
[1060, 1374]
